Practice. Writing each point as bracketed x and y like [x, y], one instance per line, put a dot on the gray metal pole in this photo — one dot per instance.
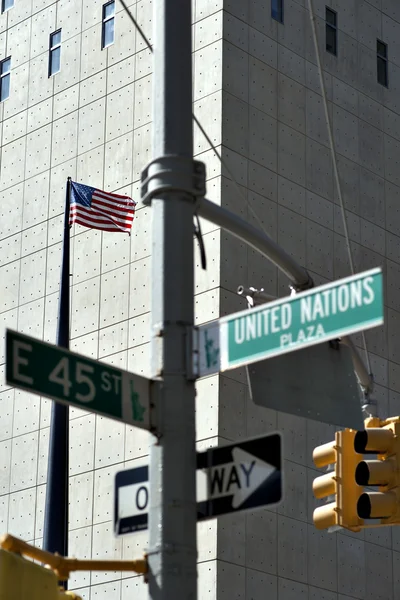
[172, 516]
[257, 239]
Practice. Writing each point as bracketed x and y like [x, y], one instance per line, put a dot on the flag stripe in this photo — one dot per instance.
[116, 210]
[100, 218]
[82, 220]
[101, 210]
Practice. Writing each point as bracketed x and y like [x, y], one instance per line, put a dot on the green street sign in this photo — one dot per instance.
[64, 376]
[311, 317]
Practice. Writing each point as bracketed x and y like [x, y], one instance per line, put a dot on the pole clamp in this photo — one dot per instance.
[173, 173]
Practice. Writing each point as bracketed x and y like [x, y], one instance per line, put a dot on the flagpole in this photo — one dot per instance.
[55, 538]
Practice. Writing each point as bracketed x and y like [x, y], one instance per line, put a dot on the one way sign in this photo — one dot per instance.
[243, 476]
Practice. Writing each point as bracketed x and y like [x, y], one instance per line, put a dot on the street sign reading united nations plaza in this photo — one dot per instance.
[311, 317]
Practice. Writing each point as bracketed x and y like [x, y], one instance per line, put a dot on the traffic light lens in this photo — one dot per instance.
[360, 442]
[364, 506]
[362, 473]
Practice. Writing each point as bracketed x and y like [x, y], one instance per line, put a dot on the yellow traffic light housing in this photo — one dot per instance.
[21, 579]
[339, 483]
[383, 439]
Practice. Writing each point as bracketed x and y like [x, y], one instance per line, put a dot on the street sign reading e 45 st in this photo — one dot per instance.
[311, 317]
[61, 375]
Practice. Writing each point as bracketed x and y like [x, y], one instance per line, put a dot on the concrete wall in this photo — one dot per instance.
[92, 121]
[256, 92]
[275, 140]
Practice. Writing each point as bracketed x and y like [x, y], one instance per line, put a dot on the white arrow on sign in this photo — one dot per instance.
[239, 478]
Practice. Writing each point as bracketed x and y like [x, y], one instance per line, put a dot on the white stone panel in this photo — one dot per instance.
[43, 456]
[12, 163]
[69, 73]
[143, 101]
[53, 268]
[69, 14]
[144, 18]
[87, 255]
[38, 149]
[66, 101]
[24, 461]
[107, 546]
[114, 296]
[14, 127]
[34, 239]
[35, 199]
[207, 580]
[43, 23]
[93, 88]
[142, 140]
[207, 70]
[119, 116]
[236, 71]
[10, 250]
[125, 38]
[40, 84]
[113, 339]
[64, 142]
[118, 162]
[209, 30]
[139, 360]
[90, 167]
[109, 448]
[81, 456]
[80, 500]
[7, 413]
[33, 269]
[91, 125]
[103, 494]
[26, 413]
[5, 463]
[85, 306]
[92, 59]
[21, 517]
[143, 63]
[121, 74]
[9, 275]
[80, 545]
[137, 441]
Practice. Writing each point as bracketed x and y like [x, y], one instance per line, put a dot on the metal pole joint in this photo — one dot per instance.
[173, 173]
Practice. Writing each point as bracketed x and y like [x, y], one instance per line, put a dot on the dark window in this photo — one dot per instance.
[277, 10]
[5, 76]
[108, 24]
[382, 62]
[331, 31]
[55, 53]
[6, 4]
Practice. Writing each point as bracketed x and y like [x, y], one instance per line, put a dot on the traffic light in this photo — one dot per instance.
[381, 438]
[22, 579]
[340, 483]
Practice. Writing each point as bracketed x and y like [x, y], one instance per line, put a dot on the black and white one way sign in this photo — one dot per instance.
[243, 476]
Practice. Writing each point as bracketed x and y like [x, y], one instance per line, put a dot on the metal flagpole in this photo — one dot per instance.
[55, 537]
[172, 515]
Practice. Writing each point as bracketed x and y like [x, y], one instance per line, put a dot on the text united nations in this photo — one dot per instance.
[312, 309]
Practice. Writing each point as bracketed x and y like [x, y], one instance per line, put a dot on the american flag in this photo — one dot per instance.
[100, 210]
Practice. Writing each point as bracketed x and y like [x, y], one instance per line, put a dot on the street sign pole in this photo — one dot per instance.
[172, 553]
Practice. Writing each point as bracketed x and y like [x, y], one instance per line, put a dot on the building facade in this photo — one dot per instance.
[76, 90]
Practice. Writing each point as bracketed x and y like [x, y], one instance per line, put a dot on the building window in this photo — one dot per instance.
[6, 4]
[107, 37]
[55, 52]
[5, 76]
[277, 10]
[331, 31]
[382, 62]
